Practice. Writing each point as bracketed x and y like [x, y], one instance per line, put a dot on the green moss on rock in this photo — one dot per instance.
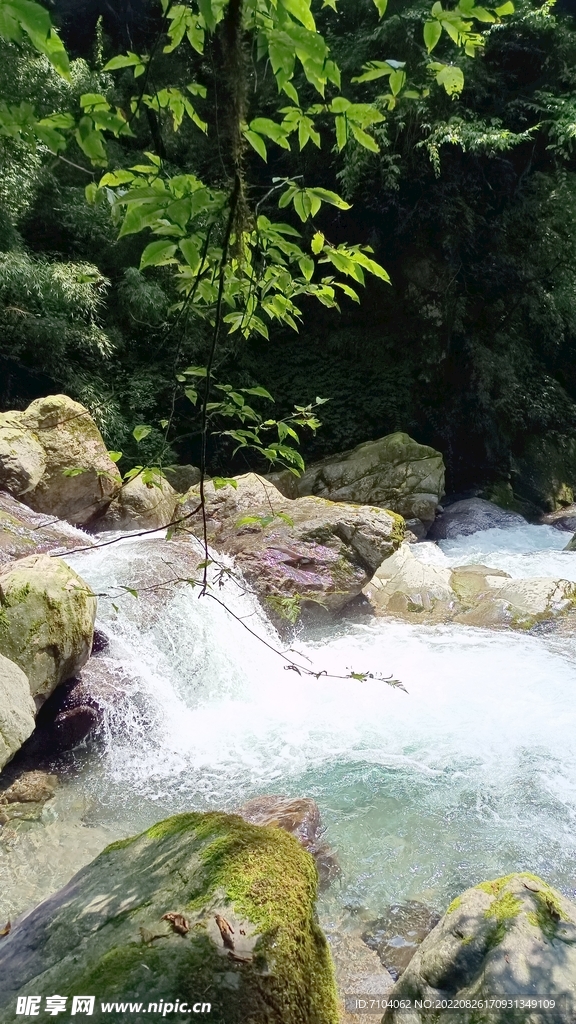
[106, 933]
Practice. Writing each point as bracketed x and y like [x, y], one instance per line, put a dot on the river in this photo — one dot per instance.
[469, 775]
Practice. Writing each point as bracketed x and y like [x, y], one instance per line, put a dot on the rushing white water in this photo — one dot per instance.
[469, 775]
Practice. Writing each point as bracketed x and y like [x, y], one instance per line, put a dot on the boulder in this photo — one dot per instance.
[17, 709]
[200, 907]
[22, 457]
[311, 550]
[407, 588]
[471, 515]
[182, 478]
[545, 474]
[403, 587]
[514, 937]
[24, 532]
[396, 935]
[37, 448]
[563, 519]
[394, 472]
[78, 707]
[301, 818]
[141, 506]
[47, 617]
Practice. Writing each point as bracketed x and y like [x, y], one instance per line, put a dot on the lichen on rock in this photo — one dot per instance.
[47, 615]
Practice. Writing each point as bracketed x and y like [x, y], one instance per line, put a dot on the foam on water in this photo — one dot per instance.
[470, 774]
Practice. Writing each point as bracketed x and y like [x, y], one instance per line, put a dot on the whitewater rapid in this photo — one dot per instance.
[469, 775]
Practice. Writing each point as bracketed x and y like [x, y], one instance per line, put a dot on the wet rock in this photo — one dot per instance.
[311, 549]
[47, 617]
[394, 472]
[200, 906]
[141, 506]
[301, 818]
[38, 447]
[24, 796]
[470, 516]
[476, 595]
[17, 709]
[358, 973]
[25, 532]
[79, 707]
[396, 935]
[514, 937]
[562, 519]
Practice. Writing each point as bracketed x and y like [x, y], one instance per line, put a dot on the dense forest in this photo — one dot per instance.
[470, 205]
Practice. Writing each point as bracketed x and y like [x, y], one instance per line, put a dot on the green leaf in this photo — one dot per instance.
[262, 392]
[381, 5]
[432, 33]
[140, 432]
[307, 267]
[74, 471]
[257, 143]
[115, 456]
[224, 481]
[507, 8]
[158, 254]
[300, 9]
[330, 197]
[452, 78]
[317, 243]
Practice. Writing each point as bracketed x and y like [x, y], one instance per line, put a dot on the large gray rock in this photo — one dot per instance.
[141, 506]
[319, 552]
[511, 938]
[471, 515]
[17, 709]
[201, 907]
[394, 472]
[24, 532]
[407, 588]
[37, 448]
[47, 617]
[182, 478]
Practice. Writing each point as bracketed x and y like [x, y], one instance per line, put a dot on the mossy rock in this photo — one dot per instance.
[509, 938]
[106, 932]
[47, 617]
[394, 472]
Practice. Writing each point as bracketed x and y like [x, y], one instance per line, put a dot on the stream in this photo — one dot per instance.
[469, 775]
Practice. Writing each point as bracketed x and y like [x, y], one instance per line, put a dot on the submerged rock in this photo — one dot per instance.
[396, 935]
[38, 447]
[141, 506]
[471, 515]
[24, 796]
[514, 937]
[24, 532]
[17, 709]
[407, 588]
[319, 551]
[301, 818]
[201, 907]
[47, 617]
[394, 472]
